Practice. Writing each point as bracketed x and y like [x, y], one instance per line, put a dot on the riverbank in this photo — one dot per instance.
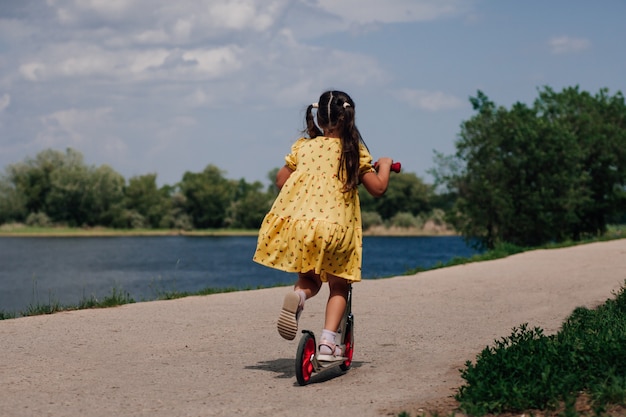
[220, 355]
[19, 230]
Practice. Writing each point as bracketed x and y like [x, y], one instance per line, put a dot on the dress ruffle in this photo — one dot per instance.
[313, 225]
[315, 245]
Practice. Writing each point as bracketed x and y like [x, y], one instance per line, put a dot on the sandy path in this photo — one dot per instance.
[220, 355]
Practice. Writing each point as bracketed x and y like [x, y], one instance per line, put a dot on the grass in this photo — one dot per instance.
[116, 297]
[503, 250]
[529, 370]
[579, 371]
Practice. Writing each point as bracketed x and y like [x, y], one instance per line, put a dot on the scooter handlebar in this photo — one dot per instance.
[395, 167]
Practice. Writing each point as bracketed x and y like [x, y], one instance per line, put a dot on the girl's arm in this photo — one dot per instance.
[376, 182]
[281, 177]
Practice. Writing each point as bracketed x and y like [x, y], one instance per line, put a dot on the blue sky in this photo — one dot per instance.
[165, 87]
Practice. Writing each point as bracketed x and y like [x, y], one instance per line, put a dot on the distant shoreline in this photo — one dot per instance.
[25, 231]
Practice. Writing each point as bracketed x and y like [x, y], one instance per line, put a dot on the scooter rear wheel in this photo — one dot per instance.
[349, 343]
[304, 356]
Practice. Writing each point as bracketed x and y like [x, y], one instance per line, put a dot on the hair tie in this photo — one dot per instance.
[330, 100]
[346, 105]
[315, 105]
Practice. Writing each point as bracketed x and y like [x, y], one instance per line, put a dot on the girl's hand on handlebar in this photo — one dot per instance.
[376, 182]
[393, 166]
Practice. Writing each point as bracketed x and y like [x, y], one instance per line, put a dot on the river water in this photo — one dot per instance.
[66, 270]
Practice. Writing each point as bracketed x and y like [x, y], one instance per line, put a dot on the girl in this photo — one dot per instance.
[314, 225]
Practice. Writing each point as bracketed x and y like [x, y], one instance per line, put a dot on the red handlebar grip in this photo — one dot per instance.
[395, 167]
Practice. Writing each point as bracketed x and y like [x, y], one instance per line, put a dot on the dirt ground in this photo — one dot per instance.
[220, 355]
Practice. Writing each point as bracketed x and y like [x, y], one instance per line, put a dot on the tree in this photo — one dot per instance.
[69, 199]
[83, 195]
[12, 203]
[61, 187]
[32, 178]
[207, 197]
[249, 205]
[143, 197]
[107, 189]
[405, 193]
[531, 175]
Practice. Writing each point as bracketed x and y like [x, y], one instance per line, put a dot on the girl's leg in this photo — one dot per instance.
[337, 300]
[309, 282]
[335, 307]
[307, 286]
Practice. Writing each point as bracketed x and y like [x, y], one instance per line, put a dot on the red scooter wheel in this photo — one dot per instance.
[349, 343]
[304, 356]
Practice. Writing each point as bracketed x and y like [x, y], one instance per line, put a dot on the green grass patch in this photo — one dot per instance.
[503, 250]
[116, 297]
[529, 370]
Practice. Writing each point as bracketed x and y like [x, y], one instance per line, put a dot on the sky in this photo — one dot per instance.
[165, 87]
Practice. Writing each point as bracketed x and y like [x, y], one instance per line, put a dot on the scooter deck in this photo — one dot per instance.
[320, 365]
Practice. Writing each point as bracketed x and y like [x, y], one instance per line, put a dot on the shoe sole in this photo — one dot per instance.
[287, 324]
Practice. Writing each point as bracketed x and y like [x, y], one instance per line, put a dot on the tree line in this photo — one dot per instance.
[58, 188]
[529, 175]
[526, 175]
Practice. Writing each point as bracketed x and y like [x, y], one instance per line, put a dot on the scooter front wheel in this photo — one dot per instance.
[304, 358]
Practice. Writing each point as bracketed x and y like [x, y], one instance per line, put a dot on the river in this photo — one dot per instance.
[66, 270]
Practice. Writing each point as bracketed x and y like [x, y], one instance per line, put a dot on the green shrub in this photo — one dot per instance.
[370, 219]
[529, 370]
[405, 220]
[39, 219]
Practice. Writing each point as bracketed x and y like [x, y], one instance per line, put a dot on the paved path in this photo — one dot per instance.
[220, 355]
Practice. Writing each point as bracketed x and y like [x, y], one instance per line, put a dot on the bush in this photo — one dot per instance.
[529, 370]
[38, 219]
[405, 220]
[370, 219]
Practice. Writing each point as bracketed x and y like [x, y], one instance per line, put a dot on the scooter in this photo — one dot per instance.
[307, 357]
[308, 360]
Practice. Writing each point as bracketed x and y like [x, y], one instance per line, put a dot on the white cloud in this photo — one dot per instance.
[240, 15]
[214, 62]
[90, 131]
[134, 82]
[76, 60]
[146, 60]
[566, 44]
[391, 11]
[107, 7]
[5, 101]
[428, 100]
[32, 71]
[72, 125]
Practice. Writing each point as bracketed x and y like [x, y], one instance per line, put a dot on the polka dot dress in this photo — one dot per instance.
[313, 224]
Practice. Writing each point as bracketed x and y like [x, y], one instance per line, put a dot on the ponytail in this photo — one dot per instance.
[311, 128]
[336, 111]
[350, 141]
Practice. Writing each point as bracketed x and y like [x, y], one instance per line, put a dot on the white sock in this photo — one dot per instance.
[330, 337]
[302, 295]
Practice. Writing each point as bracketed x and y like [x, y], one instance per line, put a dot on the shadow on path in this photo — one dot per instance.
[285, 368]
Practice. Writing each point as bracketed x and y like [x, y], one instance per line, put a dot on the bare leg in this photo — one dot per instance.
[309, 282]
[337, 300]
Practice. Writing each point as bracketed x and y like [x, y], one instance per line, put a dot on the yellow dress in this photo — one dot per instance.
[313, 224]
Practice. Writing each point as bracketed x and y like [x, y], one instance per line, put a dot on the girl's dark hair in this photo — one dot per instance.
[336, 112]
